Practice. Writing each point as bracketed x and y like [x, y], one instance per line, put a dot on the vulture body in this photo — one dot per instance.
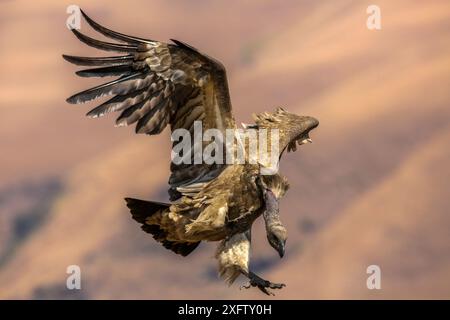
[175, 85]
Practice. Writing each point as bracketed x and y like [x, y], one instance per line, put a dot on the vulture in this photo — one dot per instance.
[161, 84]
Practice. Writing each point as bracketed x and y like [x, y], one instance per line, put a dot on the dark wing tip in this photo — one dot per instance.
[93, 114]
[72, 59]
[182, 44]
[72, 99]
[83, 13]
[89, 20]
[113, 34]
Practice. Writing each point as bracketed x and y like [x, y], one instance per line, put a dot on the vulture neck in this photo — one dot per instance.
[271, 212]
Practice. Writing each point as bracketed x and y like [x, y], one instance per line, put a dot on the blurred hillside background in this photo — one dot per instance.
[373, 188]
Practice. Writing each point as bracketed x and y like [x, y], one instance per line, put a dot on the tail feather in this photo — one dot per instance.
[141, 210]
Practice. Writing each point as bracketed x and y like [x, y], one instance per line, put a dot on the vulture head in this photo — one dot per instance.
[293, 129]
[277, 238]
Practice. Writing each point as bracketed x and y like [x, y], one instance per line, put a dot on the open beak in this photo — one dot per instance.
[305, 141]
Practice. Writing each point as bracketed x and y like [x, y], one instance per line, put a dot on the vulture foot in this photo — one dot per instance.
[261, 284]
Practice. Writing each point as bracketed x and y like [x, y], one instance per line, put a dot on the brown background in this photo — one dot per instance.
[373, 188]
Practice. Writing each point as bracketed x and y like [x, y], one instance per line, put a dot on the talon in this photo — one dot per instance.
[245, 286]
[276, 285]
[263, 289]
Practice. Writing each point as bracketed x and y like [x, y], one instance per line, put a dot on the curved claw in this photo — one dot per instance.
[245, 286]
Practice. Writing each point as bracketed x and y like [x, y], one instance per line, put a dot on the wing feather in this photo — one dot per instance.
[159, 84]
[99, 61]
[119, 102]
[113, 34]
[102, 45]
[122, 86]
[110, 71]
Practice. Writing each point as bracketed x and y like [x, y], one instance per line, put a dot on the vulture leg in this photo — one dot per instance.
[233, 255]
[276, 234]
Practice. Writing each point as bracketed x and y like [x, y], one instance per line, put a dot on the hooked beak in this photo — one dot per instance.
[281, 249]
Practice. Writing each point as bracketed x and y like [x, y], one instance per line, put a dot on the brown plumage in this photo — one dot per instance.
[174, 85]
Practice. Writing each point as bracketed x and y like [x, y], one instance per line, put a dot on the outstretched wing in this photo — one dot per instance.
[158, 84]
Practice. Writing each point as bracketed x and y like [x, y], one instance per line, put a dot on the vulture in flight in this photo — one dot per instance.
[160, 84]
